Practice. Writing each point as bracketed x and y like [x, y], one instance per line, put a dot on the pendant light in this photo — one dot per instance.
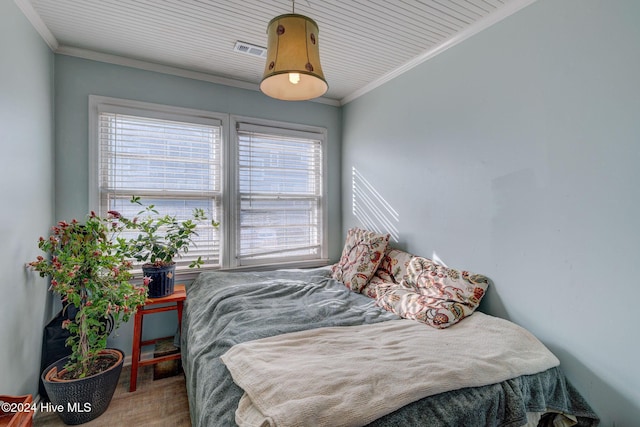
[292, 71]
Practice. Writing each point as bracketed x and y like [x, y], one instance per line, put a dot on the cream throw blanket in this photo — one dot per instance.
[350, 376]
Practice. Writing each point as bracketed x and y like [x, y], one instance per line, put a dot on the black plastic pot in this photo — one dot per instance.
[82, 400]
[162, 280]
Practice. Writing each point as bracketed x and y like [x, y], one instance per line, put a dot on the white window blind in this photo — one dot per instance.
[174, 164]
[279, 178]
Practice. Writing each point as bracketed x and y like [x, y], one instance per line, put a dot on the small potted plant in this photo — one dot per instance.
[89, 269]
[160, 239]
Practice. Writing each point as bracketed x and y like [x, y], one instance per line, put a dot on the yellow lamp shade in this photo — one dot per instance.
[293, 71]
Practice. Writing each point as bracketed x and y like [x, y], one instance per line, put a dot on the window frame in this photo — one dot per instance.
[230, 198]
[286, 129]
[101, 104]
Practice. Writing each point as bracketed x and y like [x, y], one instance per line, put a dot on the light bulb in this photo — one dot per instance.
[294, 78]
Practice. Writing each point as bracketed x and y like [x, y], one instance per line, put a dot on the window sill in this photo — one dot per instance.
[188, 275]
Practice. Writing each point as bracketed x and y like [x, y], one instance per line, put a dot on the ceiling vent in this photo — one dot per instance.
[250, 49]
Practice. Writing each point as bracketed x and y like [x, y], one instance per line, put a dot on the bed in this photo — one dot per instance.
[307, 350]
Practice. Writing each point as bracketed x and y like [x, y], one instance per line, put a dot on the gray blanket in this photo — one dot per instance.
[224, 309]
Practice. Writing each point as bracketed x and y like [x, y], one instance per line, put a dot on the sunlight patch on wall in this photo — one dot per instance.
[437, 259]
[371, 209]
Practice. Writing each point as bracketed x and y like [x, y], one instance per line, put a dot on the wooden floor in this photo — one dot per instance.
[154, 403]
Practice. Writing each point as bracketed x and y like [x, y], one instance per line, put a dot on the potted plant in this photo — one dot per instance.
[160, 239]
[89, 269]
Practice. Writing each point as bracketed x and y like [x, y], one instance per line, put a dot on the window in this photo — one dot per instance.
[171, 158]
[266, 188]
[280, 194]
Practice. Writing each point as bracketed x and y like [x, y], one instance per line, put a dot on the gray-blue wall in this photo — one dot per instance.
[516, 154]
[76, 79]
[26, 194]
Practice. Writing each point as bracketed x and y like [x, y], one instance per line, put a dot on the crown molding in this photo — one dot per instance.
[38, 24]
[473, 29]
[152, 66]
[36, 21]
[167, 69]
[30, 13]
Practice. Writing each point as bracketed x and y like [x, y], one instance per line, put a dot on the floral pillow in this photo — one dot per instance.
[410, 304]
[438, 280]
[394, 265]
[360, 258]
[376, 287]
[434, 294]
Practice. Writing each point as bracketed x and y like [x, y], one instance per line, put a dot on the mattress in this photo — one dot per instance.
[228, 308]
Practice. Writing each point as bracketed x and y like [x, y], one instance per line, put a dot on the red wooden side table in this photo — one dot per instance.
[175, 301]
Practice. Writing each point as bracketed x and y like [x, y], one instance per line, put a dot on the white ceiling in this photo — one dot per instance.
[363, 43]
